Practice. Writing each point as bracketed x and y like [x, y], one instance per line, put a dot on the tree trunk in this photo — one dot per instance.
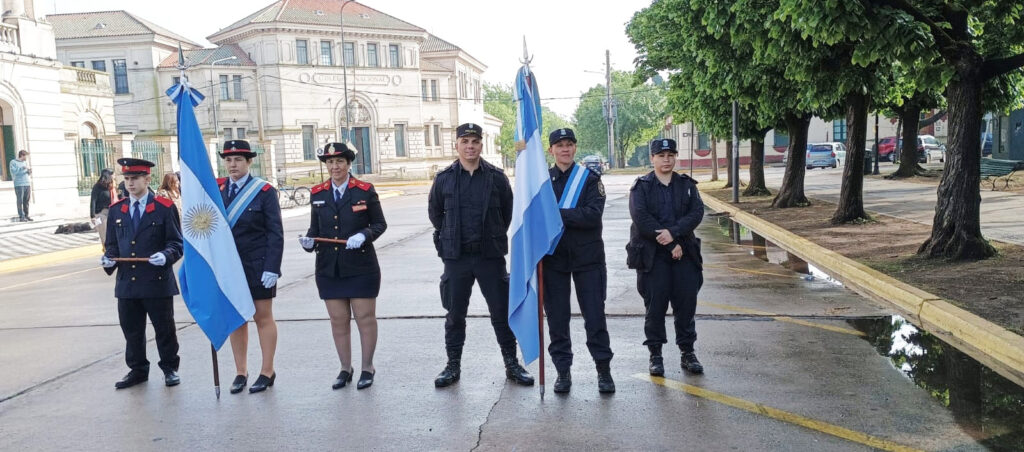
[791, 193]
[851, 195]
[757, 186]
[911, 119]
[728, 164]
[714, 158]
[956, 229]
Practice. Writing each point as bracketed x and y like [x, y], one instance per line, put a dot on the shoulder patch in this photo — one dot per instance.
[150, 207]
[163, 201]
[320, 187]
[600, 188]
[265, 187]
[356, 183]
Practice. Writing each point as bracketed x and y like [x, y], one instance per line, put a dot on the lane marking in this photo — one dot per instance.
[37, 281]
[775, 413]
[782, 318]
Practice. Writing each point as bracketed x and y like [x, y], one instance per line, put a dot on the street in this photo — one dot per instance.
[786, 366]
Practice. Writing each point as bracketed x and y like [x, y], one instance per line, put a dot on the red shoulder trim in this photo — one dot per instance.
[163, 201]
[115, 202]
[221, 183]
[364, 186]
[265, 187]
[320, 187]
[124, 207]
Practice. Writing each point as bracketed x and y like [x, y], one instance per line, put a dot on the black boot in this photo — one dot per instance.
[452, 371]
[563, 382]
[605, 384]
[657, 367]
[514, 371]
[689, 362]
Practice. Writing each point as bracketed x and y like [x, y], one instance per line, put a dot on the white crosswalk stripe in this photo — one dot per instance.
[29, 243]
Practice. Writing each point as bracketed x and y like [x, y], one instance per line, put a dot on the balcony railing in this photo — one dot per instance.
[9, 38]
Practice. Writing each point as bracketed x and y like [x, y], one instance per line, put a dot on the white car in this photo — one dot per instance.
[933, 150]
[823, 155]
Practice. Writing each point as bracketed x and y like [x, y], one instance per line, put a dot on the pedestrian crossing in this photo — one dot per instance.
[30, 243]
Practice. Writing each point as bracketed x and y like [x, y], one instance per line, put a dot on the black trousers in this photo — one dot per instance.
[132, 313]
[456, 288]
[591, 289]
[676, 283]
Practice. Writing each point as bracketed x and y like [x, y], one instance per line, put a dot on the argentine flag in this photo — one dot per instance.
[536, 222]
[212, 280]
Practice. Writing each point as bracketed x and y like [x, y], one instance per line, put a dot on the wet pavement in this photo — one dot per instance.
[794, 362]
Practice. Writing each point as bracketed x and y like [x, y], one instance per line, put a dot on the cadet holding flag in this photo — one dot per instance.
[579, 256]
[666, 208]
[143, 243]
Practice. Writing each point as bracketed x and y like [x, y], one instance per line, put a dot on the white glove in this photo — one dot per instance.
[158, 259]
[269, 280]
[355, 241]
[307, 242]
[106, 262]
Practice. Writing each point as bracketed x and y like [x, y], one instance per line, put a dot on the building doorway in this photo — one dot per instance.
[361, 142]
[308, 143]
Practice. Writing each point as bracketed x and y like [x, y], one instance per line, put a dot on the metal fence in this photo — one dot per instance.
[153, 152]
[92, 156]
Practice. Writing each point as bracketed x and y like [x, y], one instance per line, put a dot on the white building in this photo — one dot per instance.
[49, 110]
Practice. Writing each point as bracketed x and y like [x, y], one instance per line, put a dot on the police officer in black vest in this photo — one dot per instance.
[470, 206]
[144, 226]
[579, 256]
[666, 208]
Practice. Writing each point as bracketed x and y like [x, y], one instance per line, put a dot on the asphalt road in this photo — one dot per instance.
[785, 369]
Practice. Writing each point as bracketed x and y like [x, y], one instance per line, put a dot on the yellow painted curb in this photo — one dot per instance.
[390, 194]
[39, 260]
[999, 348]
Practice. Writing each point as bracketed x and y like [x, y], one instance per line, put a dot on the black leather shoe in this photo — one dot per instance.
[132, 378]
[564, 382]
[171, 378]
[451, 373]
[365, 379]
[689, 363]
[657, 367]
[343, 378]
[239, 383]
[262, 383]
[605, 384]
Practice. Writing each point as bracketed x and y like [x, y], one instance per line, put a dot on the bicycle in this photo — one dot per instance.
[288, 195]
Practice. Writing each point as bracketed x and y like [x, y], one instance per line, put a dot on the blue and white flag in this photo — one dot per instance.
[212, 280]
[536, 222]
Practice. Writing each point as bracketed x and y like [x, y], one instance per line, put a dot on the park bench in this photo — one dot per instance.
[992, 170]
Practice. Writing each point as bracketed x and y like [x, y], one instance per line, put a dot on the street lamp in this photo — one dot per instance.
[216, 125]
[344, 66]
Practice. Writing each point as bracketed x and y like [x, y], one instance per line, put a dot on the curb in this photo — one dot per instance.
[992, 345]
[27, 262]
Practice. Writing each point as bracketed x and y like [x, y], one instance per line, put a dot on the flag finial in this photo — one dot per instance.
[527, 58]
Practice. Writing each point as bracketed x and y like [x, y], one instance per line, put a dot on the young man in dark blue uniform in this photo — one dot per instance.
[144, 226]
[579, 256]
[470, 206]
[255, 218]
[666, 208]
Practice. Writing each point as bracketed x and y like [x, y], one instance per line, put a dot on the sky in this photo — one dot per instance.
[567, 38]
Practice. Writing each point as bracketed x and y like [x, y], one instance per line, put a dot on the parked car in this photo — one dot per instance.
[986, 145]
[932, 150]
[887, 147]
[825, 155]
[922, 155]
[594, 163]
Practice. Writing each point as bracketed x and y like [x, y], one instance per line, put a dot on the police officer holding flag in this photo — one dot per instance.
[579, 256]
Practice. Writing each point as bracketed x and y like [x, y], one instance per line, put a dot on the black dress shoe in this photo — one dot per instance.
[689, 363]
[133, 378]
[239, 383]
[262, 383]
[171, 378]
[343, 378]
[564, 382]
[365, 379]
[451, 373]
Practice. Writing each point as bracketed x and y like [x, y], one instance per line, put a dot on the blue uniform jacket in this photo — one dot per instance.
[259, 234]
[580, 248]
[643, 207]
[358, 211]
[159, 230]
[443, 210]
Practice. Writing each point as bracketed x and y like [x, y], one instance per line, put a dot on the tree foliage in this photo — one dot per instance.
[499, 101]
[640, 116]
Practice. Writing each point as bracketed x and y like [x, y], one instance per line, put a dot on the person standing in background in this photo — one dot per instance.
[22, 184]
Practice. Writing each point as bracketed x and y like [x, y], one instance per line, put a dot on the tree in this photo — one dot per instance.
[639, 116]
[499, 101]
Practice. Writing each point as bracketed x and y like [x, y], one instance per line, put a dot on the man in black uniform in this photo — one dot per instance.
[144, 226]
[666, 208]
[580, 256]
[470, 207]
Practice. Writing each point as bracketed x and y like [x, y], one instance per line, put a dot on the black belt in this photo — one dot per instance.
[471, 248]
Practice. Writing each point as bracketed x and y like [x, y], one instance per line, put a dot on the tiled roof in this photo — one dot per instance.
[435, 44]
[207, 56]
[108, 23]
[323, 12]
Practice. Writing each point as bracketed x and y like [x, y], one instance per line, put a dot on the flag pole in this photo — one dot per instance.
[216, 372]
[540, 324]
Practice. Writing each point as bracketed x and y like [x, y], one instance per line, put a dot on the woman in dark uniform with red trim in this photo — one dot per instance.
[347, 275]
[255, 218]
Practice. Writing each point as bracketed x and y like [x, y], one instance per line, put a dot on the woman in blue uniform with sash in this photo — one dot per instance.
[255, 218]
[346, 219]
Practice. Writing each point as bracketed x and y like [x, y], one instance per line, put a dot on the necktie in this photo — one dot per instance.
[136, 215]
[337, 195]
[232, 193]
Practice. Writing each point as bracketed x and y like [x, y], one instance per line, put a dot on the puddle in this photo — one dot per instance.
[767, 251]
[989, 407]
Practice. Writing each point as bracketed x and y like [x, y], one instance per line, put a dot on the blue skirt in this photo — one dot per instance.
[355, 286]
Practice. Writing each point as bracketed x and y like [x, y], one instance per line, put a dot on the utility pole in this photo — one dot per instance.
[691, 148]
[609, 110]
[344, 69]
[875, 171]
[735, 152]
